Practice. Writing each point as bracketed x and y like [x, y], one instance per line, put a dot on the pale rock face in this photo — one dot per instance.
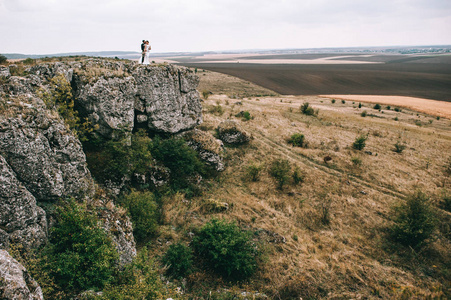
[15, 282]
[158, 98]
[120, 230]
[4, 71]
[46, 157]
[109, 103]
[169, 97]
[22, 220]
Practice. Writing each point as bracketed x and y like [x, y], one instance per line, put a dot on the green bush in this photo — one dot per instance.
[80, 255]
[397, 109]
[138, 280]
[306, 109]
[3, 59]
[253, 172]
[343, 101]
[364, 113]
[377, 106]
[246, 116]
[399, 147]
[414, 221]
[179, 259]
[446, 201]
[29, 61]
[227, 249]
[180, 159]
[296, 140]
[360, 105]
[280, 169]
[333, 101]
[447, 167]
[144, 212]
[360, 142]
[356, 161]
[297, 176]
[115, 159]
[205, 94]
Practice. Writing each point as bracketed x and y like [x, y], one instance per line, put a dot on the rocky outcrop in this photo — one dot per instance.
[45, 156]
[167, 96]
[119, 227]
[15, 282]
[230, 132]
[21, 219]
[209, 148]
[4, 71]
[122, 97]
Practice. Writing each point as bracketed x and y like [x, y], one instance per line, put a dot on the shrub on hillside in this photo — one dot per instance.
[80, 255]
[280, 169]
[306, 109]
[360, 142]
[3, 59]
[364, 113]
[297, 176]
[138, 280]
[399, 147]
[144, 212]
[377, 106]
[414, 221]
[205, 94]
[180, 159]
[253, 172]
[179, 260]
[29, 61]
[227, 249]
[296, 140]
[117, 159]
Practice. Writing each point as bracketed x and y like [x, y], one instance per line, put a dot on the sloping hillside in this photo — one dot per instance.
[328, 236]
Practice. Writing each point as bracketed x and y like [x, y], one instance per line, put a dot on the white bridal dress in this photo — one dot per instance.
[146, 56]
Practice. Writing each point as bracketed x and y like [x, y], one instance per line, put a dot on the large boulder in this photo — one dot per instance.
[21, 219]
[230, 132]
[15, 282]
[45, 156]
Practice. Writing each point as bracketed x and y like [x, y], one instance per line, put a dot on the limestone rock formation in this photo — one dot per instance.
[116, 222]
[167, 95]
[209, 148]
[231, 132]
[4, 71]
[46, 157]
[22, 220]
[15, 282]
[121, 97]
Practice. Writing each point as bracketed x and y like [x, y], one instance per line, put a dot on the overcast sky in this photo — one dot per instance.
[55, 26]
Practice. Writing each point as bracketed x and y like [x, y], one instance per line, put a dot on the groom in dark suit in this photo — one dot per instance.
[143, 45]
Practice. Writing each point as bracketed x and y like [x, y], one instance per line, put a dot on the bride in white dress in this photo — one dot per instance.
[147, 52]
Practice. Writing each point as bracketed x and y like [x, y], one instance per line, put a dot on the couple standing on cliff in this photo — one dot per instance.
[145, 49]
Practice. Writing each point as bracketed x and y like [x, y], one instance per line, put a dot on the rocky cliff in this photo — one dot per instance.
[41, 158]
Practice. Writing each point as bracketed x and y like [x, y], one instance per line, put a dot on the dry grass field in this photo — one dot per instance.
[326, 237]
